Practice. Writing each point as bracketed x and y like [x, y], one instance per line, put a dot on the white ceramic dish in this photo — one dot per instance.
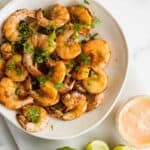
[116, 70]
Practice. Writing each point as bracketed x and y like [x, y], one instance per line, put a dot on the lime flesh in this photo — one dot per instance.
[97, 145]
[123, 148]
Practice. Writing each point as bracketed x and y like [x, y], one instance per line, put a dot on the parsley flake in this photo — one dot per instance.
[51, 39]
[24, 30]
[96, 21]
[69, 66]
[92, 36]
[19, 71]
[17, 91]
[42, 79]
[58, 85]
[41, 56]
[27, 47]
[11, 66]
[86, 60]
[87, 2]
[33, 114]
[52, 127]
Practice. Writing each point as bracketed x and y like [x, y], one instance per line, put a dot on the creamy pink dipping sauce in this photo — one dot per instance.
[133, 121]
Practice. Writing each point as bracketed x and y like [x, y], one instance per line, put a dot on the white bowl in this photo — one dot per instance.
[116, 70]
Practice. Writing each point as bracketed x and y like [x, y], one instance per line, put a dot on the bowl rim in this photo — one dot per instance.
[12, 2]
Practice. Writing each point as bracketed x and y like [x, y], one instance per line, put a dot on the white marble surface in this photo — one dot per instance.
[134, 17]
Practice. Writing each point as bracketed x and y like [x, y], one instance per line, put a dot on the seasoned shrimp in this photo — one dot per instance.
[67, 50]
[33, 118]
[2, 67]
[76, 105]
[10, 27]
[96, 83]
[8, 95]
[82, 15]
[6, 50]
[47, 95]
[59, 72]
[82, 72]
[59, 16]
[15, 70]
[40, 41]
[94, 101]
[68, 85]
[98, 50]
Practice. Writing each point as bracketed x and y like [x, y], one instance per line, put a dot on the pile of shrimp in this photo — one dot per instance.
[51, 65]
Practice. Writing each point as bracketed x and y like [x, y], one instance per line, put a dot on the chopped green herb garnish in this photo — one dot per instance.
[77, 27]
[39, 59]
[76, 68]
[75, 36]
[17, 91]
[58, 85]
[68, 75]
[51, 39]
[89, 83]
[69, 66]
[87, 2]
[96, 21]
[19, 71]
[24, 30]
[62, 29]
[86, 60]
[51, 27]
[11, 66]
[33, 114]
[65, 148]
[27, 47]
[42, 79]
[41, 56]
[52, 127]
[92, 36]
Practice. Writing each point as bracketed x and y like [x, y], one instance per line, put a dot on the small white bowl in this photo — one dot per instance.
[132, 121]
[110, 31]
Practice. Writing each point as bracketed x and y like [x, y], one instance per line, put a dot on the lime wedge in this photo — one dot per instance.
[123, 148]
[97, 145]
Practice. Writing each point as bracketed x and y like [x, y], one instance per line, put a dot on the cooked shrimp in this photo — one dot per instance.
[76, 105]
[15, 70]
[47, 95]
[82, 72]
[59, 17]
[98, 50]
[94, 101]
[96, 83]
[56, 110]
[40, 41]
[79, 87]
[59, 72]
[11, 24]
[28, 84]
[68, 85]
[8, 95]
[82, 15]
[67, 50]
[6, 50]
[2, 67]
[33, 118]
